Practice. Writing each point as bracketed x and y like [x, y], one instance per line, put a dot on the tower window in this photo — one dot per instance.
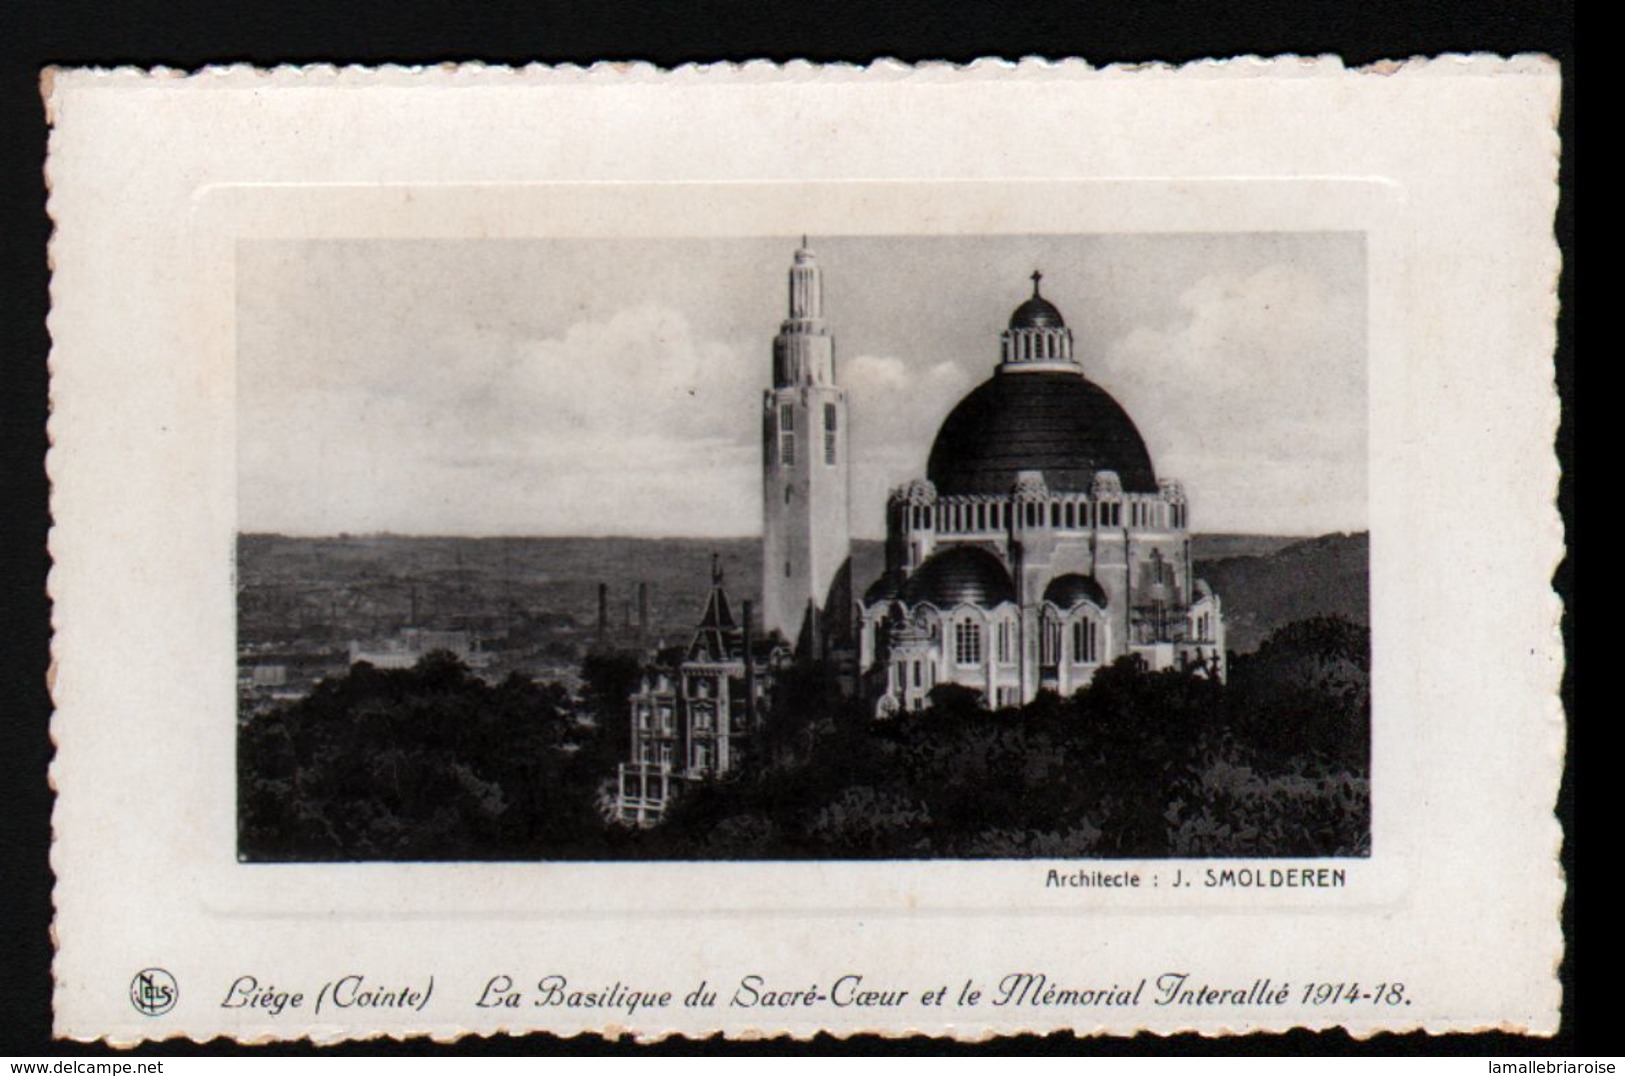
[787, 434]
[829, 434]
[968, 643]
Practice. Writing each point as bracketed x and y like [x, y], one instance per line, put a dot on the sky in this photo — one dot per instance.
[613, 387]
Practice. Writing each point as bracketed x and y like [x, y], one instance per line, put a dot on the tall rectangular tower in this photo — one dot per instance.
[806, 546]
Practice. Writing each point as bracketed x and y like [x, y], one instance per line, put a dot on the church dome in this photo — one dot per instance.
[1066, 591]
[1037, 313]
[883, 589]
[958, 575]
[1054, 421]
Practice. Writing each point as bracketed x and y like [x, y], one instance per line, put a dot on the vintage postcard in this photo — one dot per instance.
[778, 550]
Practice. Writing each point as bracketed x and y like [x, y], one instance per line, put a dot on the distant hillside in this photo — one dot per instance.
[1299, 579]
[347, 587]
[1219, 546]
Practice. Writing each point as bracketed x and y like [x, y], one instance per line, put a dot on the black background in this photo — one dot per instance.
[190, 34]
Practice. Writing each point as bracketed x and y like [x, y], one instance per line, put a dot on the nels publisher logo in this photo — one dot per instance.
[153, 992]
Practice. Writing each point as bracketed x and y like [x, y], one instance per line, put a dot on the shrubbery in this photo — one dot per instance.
[1137, 764]
[433, 763]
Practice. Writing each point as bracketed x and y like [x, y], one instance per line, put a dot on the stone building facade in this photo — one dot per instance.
[696, 709]
[1040, 546]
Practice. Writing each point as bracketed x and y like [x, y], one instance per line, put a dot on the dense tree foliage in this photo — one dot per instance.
[433, 763]
[425, 763]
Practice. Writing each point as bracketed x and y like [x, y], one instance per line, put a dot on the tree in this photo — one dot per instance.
[1306, 694]
[954, 700]
[608, 680]
[428, 762]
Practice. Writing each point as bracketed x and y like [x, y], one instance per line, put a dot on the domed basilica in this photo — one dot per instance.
[1039, 546]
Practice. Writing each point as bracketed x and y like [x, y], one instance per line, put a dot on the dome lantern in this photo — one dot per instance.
[1037, 338]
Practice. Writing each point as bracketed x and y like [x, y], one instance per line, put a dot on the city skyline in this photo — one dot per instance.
[613, 387]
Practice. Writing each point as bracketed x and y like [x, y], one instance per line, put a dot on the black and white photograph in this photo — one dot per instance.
[800, 550]
[804, 547]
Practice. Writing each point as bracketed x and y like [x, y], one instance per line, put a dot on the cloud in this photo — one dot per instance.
[896, 408]
[1258, 388]
[897, 404]
[631, 423]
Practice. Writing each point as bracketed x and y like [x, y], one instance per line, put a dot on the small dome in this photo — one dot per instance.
[1066, 591]
[1037, 313]
[884, 589]
[958, 575]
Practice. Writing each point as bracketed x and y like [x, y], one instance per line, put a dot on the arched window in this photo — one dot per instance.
[1049, 652]
[967, 643]
[1085, 642]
